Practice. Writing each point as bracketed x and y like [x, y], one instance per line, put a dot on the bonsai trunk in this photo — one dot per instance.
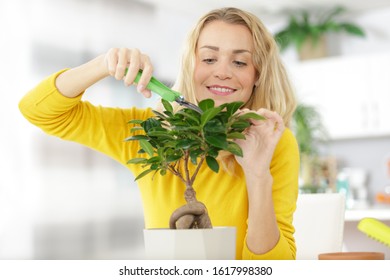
[191, 215]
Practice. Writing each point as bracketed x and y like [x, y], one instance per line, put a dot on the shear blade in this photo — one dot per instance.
[188, 105]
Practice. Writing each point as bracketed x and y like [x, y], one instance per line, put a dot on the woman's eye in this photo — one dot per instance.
[239, 63]
[209, 60]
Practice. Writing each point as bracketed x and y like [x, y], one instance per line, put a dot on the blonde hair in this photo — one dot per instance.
[272, 90]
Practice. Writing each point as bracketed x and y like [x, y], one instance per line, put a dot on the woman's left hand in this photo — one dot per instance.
[261, 139]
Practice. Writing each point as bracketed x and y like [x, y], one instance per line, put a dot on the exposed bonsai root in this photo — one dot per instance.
[185, 221]
[192, 215]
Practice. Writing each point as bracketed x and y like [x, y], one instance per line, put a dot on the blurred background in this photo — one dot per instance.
[59, 200]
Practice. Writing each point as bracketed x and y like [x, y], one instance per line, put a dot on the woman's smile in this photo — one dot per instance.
[221, 90]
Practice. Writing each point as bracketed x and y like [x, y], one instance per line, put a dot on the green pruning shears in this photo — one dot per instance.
[167, 93]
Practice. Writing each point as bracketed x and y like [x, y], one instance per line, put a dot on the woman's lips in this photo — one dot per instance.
[221, 90]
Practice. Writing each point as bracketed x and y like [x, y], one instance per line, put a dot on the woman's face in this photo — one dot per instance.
[224, 69]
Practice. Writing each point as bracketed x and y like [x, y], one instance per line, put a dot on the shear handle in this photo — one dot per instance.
[158, 87]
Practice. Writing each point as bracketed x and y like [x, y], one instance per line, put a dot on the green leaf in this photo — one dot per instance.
[209, 114]
[194, 154]
[218, 140]
[154, 159]
[212, 164]
[236, 135]
[250, 115]
[169, 114]
[161, 134]
[137, 161]
[143, 174]
[241, 124]
[194, 135]
[137, 137]
[189, 116]
[147, 147]
[167, 105]
[214, 126]
[137, 128]
[213, 152]
[154, 166]
[352, 29]
[185, 144]
[231, 108]
[160, 115]
[186, 128]
[135, 121]
[206, 104]
[173, 158]
[283, 39]
[235, 149]
[152, 124]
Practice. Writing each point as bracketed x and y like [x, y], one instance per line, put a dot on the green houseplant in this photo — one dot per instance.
[310, 132]
[172, 140]
[306, 30]
[309, 129]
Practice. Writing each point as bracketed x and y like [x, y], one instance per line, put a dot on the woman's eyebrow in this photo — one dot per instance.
[214, 48]
[210, 47]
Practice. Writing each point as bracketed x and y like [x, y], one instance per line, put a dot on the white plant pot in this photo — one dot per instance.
[218, 243]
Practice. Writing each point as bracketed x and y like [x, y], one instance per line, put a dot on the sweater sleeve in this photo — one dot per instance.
[285, 172]
[100, 128]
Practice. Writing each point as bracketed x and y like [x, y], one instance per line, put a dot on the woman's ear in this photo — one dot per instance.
[257, 83]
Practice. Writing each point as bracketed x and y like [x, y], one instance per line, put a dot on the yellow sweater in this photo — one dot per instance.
[104, 129]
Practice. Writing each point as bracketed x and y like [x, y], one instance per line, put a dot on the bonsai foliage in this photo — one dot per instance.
[303, 26]
[171, 141]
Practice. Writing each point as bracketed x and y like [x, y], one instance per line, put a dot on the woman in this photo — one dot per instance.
[230, 56]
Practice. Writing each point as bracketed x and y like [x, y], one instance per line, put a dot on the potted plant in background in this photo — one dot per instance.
[172, 141]
[306, 31]
[310, 133]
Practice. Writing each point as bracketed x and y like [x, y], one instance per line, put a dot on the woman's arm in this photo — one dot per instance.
[55, 105]
[262, 137]
[114, 63]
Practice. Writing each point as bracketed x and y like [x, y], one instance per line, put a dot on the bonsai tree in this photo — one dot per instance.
[172, 140]
[304, 27]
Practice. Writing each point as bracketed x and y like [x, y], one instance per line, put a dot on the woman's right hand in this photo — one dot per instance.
[118, 59]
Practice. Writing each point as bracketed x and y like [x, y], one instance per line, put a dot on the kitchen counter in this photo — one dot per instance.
[377, 212]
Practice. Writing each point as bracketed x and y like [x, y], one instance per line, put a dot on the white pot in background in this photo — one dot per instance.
[218, 243]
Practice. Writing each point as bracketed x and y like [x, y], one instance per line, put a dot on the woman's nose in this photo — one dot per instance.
[223, 71]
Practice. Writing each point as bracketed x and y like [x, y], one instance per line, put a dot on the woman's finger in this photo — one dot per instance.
[112, 60]
[147, 71]
[272, 119]
[133, 65]
[122, 63]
